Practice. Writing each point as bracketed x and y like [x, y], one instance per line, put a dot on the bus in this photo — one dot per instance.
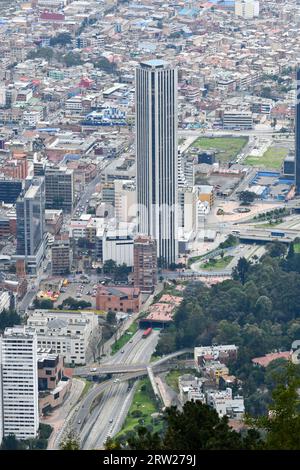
[147, 333]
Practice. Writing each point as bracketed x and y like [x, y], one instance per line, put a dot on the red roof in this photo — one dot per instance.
[264, 361]
[47, 15]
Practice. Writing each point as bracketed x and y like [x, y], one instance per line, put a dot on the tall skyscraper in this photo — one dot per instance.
[19, 383]
[30, 208]
[297, 133]
[157, 156]
[145, 263]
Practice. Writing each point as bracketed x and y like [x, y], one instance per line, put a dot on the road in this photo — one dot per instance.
[107, 418]
[58, 418]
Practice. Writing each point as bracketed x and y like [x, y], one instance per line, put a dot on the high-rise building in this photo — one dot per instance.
[19, 382]
[157, 156]
[30, 208]
[10, 190]
[61, 257]
[297, 134]
[145, 263]
[59, 188]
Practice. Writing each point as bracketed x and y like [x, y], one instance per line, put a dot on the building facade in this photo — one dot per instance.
[157, 156]
[66, 333]
[61, 258]
[59, 188]
[145, 263]
[30, 208]
[20, 415]
[118, 299]
[297, 133]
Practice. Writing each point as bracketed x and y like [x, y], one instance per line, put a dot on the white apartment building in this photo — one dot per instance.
[66, 333]
[118, 246]
[125, 200]
[225, 405]
[248, 9]
[19, 383]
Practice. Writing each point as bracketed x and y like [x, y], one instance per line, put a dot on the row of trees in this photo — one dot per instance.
[116, 272]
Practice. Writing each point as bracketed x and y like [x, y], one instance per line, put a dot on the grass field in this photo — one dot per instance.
[268, 224]
[124, 338]
[297, 248]
[219, 263]
[271, 159]
[227, 148]
[142, 407]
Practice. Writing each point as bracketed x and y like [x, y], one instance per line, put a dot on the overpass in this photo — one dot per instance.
[127, 368]
[268, 235]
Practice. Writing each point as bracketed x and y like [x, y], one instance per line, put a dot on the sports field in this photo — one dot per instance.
[227, 148]
[272, 159]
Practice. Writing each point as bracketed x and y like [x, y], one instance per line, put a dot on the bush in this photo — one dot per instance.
[136, 414]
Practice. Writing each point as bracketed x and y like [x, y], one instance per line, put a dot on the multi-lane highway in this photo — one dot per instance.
[106, 419]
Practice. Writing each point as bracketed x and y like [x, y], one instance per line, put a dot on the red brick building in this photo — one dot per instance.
[118, 299]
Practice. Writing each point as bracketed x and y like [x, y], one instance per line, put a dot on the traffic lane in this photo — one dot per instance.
[114, 399]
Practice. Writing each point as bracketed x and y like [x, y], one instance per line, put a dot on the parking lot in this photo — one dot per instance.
[79, 290]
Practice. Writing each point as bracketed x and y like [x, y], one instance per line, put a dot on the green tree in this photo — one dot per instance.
[62, 39]
[70, 442]
[111, 317]
[44, 304]
[196, 427]
[104, 64]
[241, 270]
[276, 249]
[11, 443]
[72, 59]
[109, 267]
[282, 424]
[42, 52]
[9, 318]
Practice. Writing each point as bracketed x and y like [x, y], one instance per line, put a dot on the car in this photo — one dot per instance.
[111, 420]
[79, 421]
[116, 381]
[122, 351]
[93, 369]
[131, 341]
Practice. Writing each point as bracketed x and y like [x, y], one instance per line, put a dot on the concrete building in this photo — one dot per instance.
[125, 200]
[4, 300]
[53, 384]
[206, 194]
[187, 209]
[19, 383]
[66, 333]
[30, 208]
[118, 246]
[297, 134]
[247, 9]
[10, 190]
[237, 120]
[225, 405]
[157, 155]
[118, 299]
[61, 257]
[145, 263]
[59, 188]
